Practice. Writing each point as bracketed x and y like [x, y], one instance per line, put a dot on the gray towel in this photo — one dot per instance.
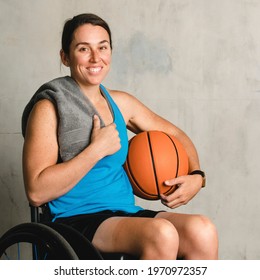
[75, 113]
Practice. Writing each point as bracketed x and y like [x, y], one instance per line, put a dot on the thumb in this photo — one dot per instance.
[96, 122]
[172, 182]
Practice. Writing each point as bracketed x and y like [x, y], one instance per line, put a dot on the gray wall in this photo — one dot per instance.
[195, 62]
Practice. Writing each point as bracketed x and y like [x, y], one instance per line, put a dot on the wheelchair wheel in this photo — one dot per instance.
[35, 241]
[80, 244]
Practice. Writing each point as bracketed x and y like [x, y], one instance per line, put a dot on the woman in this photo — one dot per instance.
[75, 146]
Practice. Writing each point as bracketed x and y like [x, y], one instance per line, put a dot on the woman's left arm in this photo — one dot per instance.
[140, 118]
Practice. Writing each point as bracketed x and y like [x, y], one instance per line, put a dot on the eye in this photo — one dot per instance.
[83, 49]
[103, 48]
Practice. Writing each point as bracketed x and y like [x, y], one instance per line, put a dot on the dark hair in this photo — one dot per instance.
[72, 24]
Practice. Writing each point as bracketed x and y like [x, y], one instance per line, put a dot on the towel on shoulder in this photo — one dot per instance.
[75, 113]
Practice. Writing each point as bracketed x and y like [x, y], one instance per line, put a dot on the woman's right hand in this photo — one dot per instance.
[106, 139]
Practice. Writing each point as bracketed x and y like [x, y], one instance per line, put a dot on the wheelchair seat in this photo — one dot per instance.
[42, 214]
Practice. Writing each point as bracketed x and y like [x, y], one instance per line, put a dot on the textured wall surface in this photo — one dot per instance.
[197, 63]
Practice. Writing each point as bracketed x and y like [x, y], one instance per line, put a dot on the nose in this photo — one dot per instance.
[95, 56]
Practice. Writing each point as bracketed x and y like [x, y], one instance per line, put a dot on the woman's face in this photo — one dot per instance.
[90, 55]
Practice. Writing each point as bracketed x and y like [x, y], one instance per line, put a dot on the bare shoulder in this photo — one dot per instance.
[43, 109]
[126, 102]
[122, 96]
[43, 105]
[42, 117]
[138, 117]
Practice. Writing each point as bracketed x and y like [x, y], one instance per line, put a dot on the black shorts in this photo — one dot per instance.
[87, 224]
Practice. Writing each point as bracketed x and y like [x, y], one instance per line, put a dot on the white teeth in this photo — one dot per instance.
[94, 70]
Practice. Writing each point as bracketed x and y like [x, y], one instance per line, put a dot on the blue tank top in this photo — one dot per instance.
[106, 186]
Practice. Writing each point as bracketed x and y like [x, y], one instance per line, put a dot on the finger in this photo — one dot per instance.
[172, 198]
[176, 205]
[175, 181]
[174, 202]
[163, 197]
[96, 122]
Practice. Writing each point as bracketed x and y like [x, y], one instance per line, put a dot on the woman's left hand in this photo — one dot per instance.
[186, 188]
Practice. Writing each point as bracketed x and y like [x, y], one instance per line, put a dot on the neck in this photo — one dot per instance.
[92, 92]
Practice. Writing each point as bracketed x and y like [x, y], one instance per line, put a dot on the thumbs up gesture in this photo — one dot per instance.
[105, 139]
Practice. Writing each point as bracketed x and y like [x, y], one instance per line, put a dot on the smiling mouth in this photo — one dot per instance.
[94, 69]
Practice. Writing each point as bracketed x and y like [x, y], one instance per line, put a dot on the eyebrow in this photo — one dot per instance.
[88, 44]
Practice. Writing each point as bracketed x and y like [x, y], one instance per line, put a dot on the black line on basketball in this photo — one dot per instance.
[154, 169]
[177, 155]
[132, 174]
[177, 158]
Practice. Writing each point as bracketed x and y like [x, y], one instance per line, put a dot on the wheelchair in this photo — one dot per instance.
[42, 239]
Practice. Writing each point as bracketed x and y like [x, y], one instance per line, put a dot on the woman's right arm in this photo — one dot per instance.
[46, 180]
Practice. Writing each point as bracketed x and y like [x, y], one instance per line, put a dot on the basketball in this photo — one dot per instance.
[154, 157]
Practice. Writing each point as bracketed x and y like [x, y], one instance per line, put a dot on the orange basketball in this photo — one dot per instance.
[153, 158]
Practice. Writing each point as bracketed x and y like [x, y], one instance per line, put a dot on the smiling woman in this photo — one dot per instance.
[75, 147]
[89, 55]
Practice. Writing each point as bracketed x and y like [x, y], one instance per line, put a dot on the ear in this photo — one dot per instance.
[64, 58]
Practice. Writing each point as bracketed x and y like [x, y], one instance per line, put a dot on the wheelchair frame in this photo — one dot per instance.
[49, 241]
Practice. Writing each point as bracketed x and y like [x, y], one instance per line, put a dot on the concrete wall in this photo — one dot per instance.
[197, 63]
